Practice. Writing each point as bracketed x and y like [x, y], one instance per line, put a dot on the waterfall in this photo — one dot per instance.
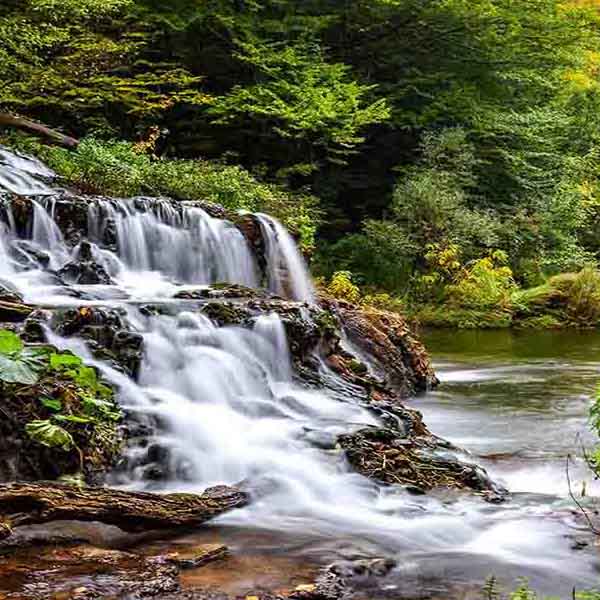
[148, 246]
[23, 175]
[187, 245]
[6, 268]
[286, 270]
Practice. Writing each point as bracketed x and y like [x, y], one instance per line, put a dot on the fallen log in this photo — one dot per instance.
[9, 120]
[14, 312]
[34, 503]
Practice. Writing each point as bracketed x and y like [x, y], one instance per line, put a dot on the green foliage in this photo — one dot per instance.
[120, 169]
[485, 283]
[17, 363]
[49, 434]
[302, 97]
[342, 288]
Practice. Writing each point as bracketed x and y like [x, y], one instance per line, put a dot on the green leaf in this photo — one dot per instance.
[51, 404]
[86, 377]
[18, 371]
[59, 361]
[50, 435]
[76, 479]
[96, 407]
[10, 342]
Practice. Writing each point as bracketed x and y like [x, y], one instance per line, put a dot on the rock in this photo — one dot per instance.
[12, 312]
[29, 256]
[386, 338]
[219, 290]
[9, 294]
[85, 270]
[198, 557]
[106, 333]
[106, 573]
[384, 455]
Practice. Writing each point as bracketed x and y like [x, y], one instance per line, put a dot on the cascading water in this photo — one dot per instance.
[228, 407]
[187, 245]
[286, 272]
[148, 246]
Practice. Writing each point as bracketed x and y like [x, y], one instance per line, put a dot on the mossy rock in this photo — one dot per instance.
[59, 417]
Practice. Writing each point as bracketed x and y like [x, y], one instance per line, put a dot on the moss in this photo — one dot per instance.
[225, 313]
[357, 367]
[462, 318]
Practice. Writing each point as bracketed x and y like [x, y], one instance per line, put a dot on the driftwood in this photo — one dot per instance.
[33, 503]
[9, 120]
[14, 312]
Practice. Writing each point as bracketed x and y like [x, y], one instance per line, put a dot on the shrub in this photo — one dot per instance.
[342, 288]
[486, 283]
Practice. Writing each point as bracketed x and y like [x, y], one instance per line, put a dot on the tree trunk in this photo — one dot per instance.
[9, 120]
[31, 503]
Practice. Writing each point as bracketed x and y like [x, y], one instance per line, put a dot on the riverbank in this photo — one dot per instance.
[472, 301]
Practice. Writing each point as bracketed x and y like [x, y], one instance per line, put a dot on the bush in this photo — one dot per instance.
[342, 288]
[484, 284]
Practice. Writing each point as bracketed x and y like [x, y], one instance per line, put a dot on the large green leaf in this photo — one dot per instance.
[58, 361]
[17, 370]
[22, 366]
[10, 342]
[50, 435]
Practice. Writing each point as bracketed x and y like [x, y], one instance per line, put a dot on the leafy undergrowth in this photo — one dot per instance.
[124, 169]
[60, 418]
[484, 295]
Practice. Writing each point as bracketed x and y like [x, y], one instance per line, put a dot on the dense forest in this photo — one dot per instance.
[425, 151]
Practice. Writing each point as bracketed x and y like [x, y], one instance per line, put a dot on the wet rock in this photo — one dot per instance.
[219, 290]
[85, 573]
[197, 557]
[383, 455]
[9, 294]
[386, 338]
[27, 255]
[367, 567]
[33, 329]
[84, 270]
[12, 312]
[106, 333]
[226, 313]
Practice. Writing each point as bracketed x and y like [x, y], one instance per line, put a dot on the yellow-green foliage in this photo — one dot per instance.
[443, 265]
[384, 301]
[570, 298]
[583, 298]
[342, 288]
[485, 283]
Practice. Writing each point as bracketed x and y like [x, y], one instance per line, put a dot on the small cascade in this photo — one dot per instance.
[46, 235]
[6, 268]
[183, 243]
[287, 274]
[24, 175]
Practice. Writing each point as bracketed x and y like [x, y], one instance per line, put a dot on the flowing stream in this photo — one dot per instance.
[231, 410]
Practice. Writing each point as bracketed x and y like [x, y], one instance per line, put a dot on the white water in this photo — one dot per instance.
[283, 259]
[229, 410]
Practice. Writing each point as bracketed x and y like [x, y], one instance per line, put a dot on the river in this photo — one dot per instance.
[518, 402]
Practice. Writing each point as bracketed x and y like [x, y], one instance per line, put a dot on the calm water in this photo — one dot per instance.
[519, 402]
